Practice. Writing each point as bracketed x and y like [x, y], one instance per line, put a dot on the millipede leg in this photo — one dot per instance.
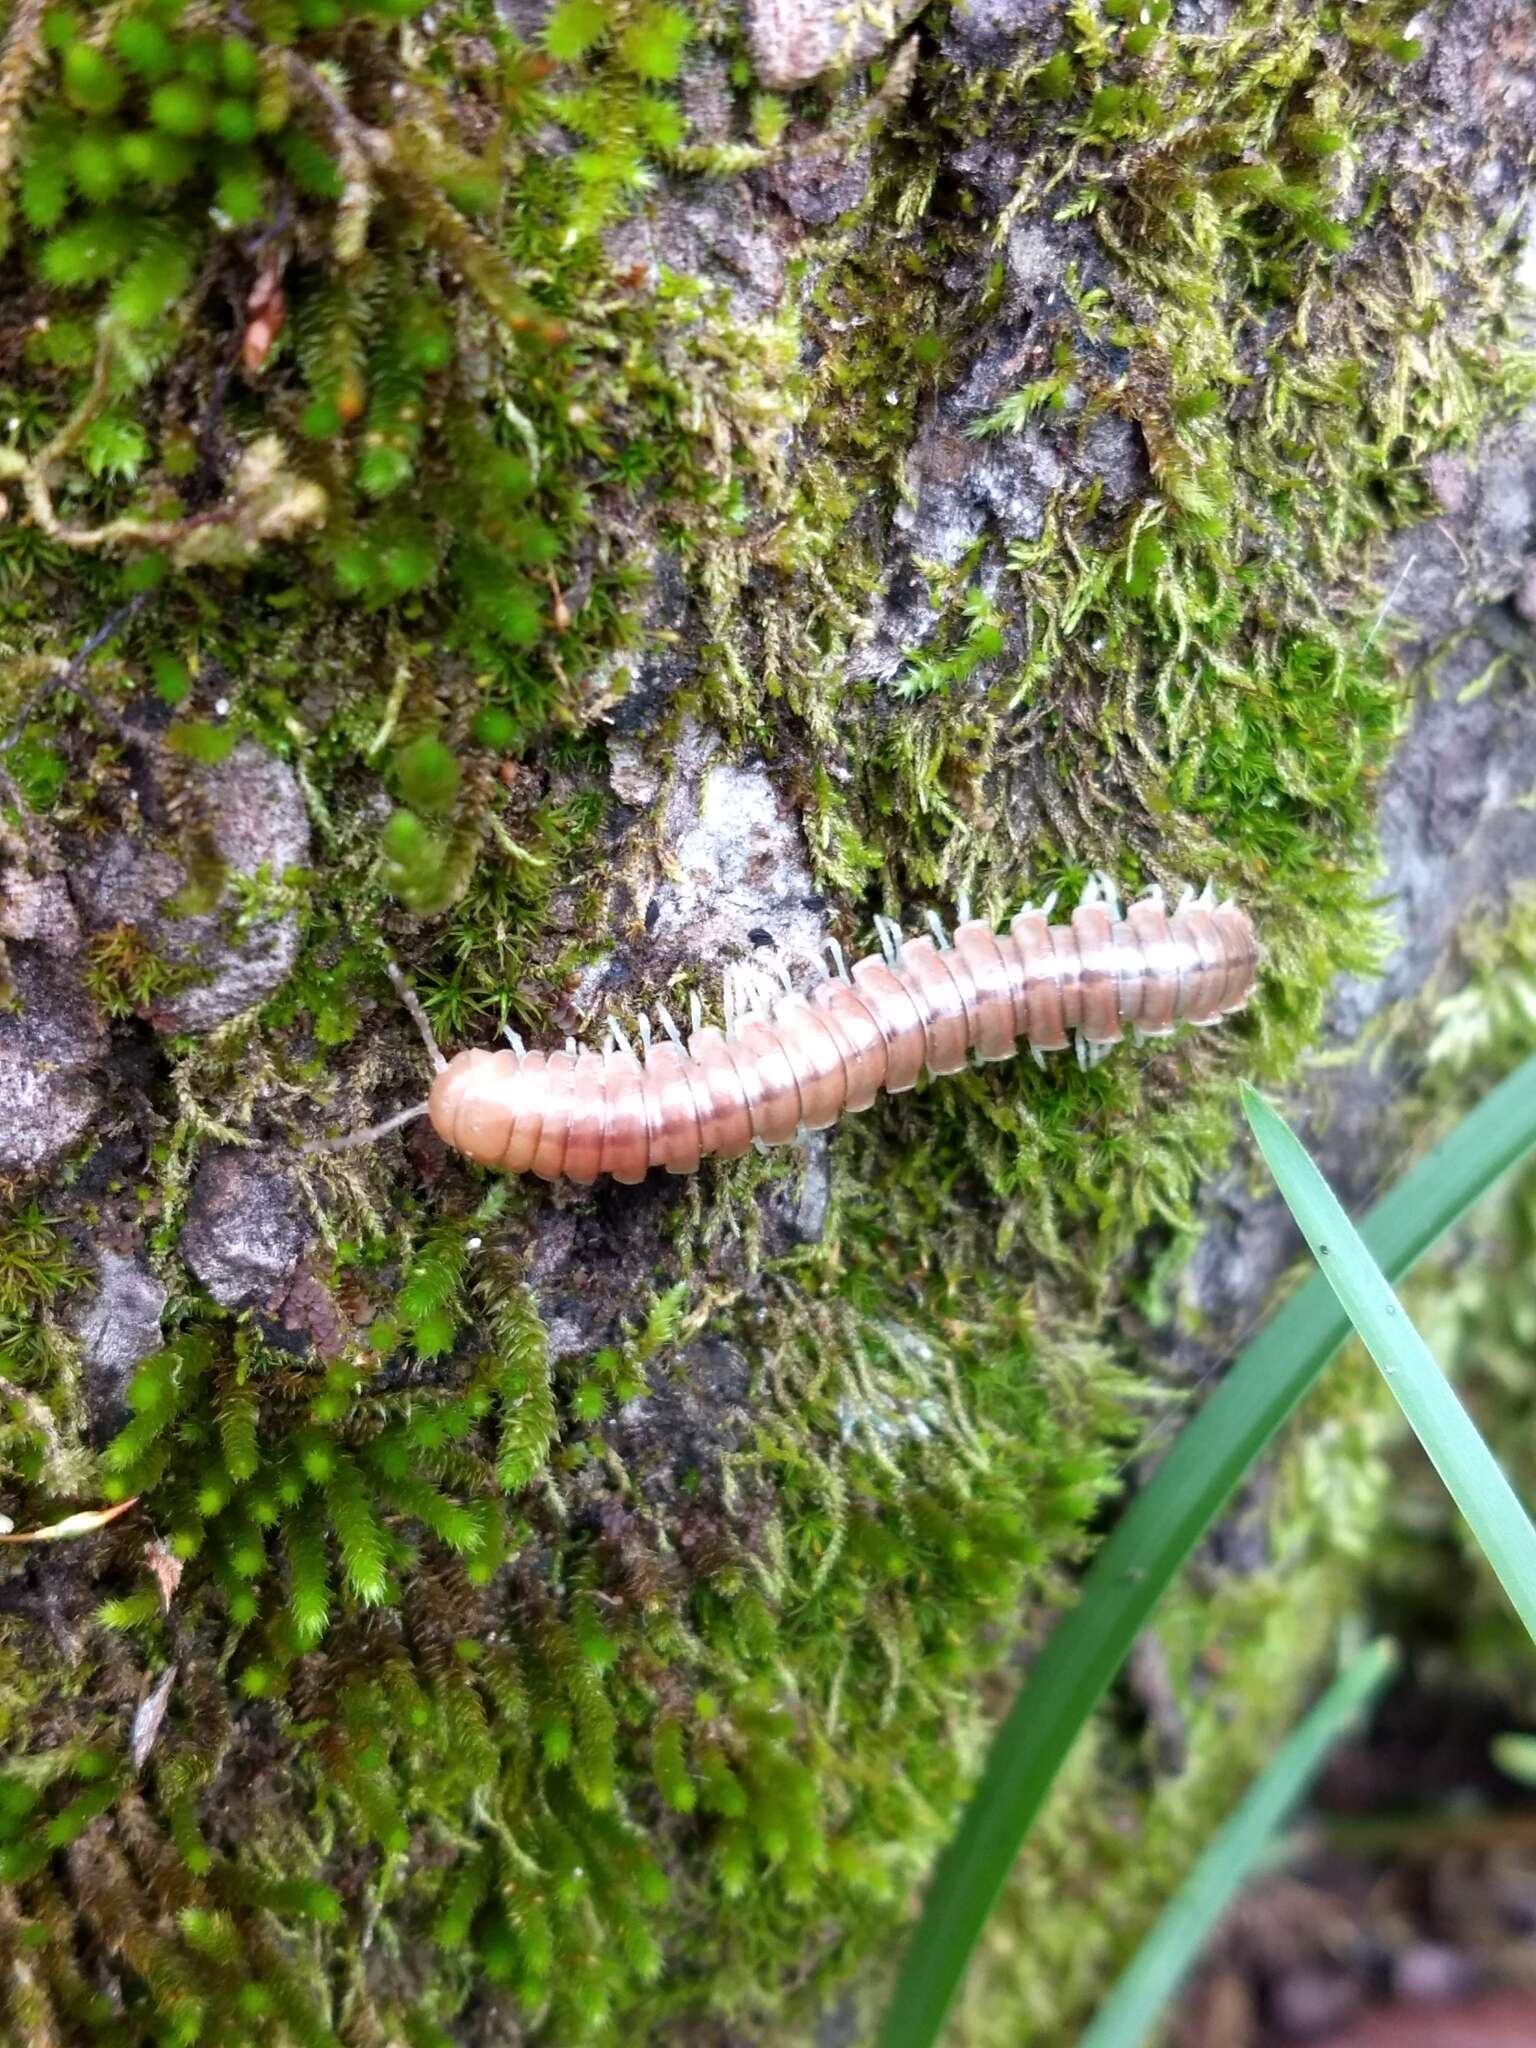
[417, 1014]
[1108, 891]
[935, 924]
[754, 992]
[515, 1042]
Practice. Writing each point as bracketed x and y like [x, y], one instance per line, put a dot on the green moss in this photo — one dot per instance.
[454, 1679]
[1475, 1307]
[1355, 1504]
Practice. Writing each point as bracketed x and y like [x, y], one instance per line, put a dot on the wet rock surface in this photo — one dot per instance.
[243, 818]
[245, 1231]
[795, 1208]
[695, 1415]
[595, 1267]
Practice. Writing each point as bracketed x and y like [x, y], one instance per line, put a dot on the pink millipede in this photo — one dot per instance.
[788, 1062]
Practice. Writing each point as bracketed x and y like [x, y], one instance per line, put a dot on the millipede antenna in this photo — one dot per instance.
[367, 1134]
[417, 1014]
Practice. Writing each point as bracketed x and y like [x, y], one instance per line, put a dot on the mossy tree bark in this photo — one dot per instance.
[566, 500]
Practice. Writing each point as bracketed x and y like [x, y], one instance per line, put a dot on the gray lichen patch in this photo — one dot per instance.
[52, 1041]
[738, 876]
[1457, 830]
[795, 41]
[37, 908]
[116, 1325]
[244, 1234]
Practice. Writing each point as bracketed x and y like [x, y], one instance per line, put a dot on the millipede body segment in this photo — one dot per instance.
[792, 1062]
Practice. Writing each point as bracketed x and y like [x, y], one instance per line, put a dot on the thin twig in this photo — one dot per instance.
[68, 677]
[1390, 599]
[23, 44]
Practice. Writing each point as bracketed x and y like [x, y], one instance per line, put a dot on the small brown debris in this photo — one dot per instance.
[266, 313]
[166, 1569]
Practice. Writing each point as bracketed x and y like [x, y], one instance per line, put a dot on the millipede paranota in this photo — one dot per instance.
[787, 1062]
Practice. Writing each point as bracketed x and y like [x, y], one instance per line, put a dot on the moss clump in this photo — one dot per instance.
[1474, 1306]
[341, 416]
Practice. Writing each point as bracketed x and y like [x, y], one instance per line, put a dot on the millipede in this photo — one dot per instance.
[788, 1061]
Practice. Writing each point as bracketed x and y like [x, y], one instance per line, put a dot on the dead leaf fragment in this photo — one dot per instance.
[84, 1524]
[148, 1717]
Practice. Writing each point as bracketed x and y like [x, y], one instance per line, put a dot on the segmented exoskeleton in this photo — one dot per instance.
[788, 1061]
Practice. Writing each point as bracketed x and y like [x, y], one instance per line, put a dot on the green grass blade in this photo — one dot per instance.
[1232, 1855]
[1149, 1544]
[1456, 1449]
